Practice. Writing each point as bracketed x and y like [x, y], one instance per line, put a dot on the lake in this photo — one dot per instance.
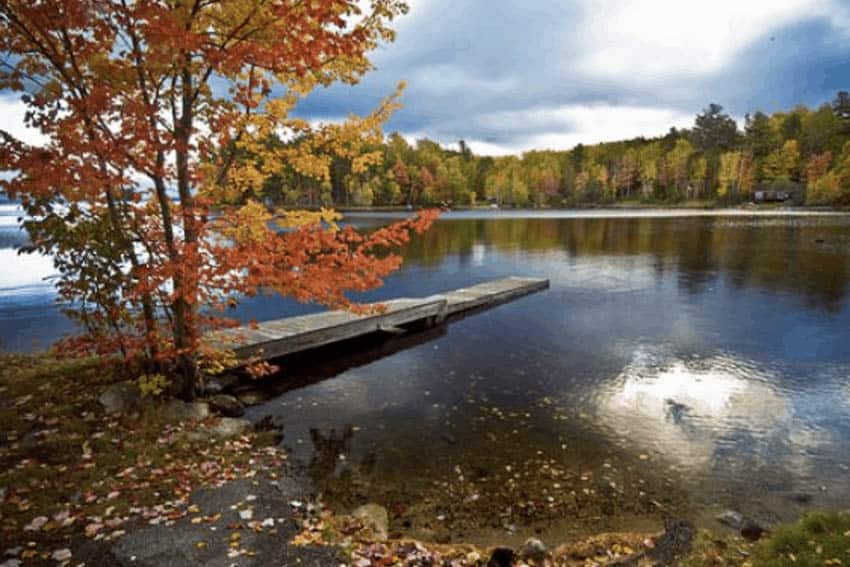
[681, 363]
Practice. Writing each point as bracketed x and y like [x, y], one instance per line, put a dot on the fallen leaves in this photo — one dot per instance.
[91, 474]
[61, 555]
[36, 524]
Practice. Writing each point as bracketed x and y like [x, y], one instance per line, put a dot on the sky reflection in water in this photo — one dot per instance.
[714, 346]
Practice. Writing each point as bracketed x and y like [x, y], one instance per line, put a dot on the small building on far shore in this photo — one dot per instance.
[772, 196]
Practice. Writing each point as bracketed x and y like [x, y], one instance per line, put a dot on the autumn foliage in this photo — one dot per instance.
[148, 192]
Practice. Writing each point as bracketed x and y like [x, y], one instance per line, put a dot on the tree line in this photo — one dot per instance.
[804, 153]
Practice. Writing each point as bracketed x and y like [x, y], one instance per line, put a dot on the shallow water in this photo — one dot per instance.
[679, 364]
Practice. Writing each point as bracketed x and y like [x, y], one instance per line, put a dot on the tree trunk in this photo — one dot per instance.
[184, 310]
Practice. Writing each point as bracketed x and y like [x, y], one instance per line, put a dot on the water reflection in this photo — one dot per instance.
[714, 346]
[693, 362]
[809, 252]
[686, 410]
[804, 255]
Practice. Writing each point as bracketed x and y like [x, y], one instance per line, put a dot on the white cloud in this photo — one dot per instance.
[650, 41]
[12, 112]
[565, 126]
[483, 148]
[29, 273]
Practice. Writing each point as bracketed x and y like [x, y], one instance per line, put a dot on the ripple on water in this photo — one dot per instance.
[719, 419]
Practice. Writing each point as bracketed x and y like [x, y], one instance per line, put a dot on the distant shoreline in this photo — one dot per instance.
[686, 206]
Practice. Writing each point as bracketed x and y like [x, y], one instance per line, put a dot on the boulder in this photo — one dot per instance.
[253, 397]
[731, 518]
[220, 384]
[747, 527]
[120, 398]
[177, 410]
[222, 428]
[375, 519]
[533, 549]
[227, 427]
[225, 405]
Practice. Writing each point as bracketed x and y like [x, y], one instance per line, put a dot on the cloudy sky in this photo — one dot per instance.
[513, 75]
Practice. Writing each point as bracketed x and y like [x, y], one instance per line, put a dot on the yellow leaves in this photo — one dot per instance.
[279, 108]
[267, 142]
[304, 85]
[244, 179]
[307, 163]
[216, 361]
[299, 218]
[152, 384]
[363, 162]
[248, 223]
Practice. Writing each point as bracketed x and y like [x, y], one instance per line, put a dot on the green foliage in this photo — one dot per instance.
[821, 538]
[712, 162]
[153, 385]
[783, 164]
[714, 130]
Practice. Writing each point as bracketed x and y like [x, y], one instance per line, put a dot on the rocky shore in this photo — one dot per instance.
[95, 473]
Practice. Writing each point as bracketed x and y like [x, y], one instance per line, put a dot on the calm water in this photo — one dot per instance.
[679, 364]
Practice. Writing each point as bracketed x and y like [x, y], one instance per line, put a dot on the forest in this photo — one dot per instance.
[803, 153]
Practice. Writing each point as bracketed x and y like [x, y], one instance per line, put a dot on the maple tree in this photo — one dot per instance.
[148, 192]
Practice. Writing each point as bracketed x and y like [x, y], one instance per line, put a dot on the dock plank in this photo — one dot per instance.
[279, 337]
[492, 293]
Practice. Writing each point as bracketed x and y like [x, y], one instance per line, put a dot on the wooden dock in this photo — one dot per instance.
[279, 337]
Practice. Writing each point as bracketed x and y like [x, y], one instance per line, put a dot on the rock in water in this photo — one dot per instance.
[533, 549]
[271, 424]
[801, 497]
[121, 397]
[253, 397]
[177, 410]
[375, 519]
[731, 518]
[501, 557]
[225, 405]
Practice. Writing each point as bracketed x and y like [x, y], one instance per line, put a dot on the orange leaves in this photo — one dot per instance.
[147, 189]
[817, 167]
[260, 369]
[314, 263]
